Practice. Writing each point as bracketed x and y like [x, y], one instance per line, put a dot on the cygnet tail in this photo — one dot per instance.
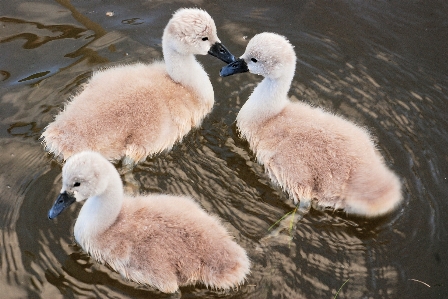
[52, 139]
[376, 193]
[231, 269]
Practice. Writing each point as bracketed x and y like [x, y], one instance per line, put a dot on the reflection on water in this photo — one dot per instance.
[381, 65]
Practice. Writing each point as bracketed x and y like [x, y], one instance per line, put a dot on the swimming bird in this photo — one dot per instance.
[320, 159]
[159, 240]
[138, 110]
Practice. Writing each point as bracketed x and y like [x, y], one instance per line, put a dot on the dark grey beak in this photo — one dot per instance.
[63, 201]
[238, 66]
[219, 51]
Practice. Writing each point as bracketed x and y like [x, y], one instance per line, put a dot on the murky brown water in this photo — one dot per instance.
[382, 64]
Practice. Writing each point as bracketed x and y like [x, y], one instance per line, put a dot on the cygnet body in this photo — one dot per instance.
[159, 240]
[315, 156]
[138, 110]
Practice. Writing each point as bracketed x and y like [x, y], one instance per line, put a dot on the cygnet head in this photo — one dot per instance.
[84, 175]
[193, 31]
[267, 54]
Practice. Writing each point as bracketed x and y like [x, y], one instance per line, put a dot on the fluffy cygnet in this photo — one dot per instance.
[313, 155]
[138, 110]
[159, 240]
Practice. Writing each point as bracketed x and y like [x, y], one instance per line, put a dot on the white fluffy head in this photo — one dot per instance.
[190, 31]
[269, 55]
[86, 174]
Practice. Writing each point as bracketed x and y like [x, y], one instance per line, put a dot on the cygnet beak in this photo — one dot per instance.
[219, 51]
[238, 66]
[63, 201]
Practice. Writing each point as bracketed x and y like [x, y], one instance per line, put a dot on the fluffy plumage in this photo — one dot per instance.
[312, 154]
[139, 110]
[160, 240]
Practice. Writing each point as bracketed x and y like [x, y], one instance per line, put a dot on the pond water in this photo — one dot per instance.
[381, 64]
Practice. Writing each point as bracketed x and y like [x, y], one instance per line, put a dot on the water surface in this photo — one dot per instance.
[381, 64]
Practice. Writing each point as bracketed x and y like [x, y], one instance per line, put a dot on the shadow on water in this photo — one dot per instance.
[381, 65]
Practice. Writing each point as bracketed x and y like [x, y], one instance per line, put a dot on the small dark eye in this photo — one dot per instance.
[253, 60]
[205, 38]
[76, 184]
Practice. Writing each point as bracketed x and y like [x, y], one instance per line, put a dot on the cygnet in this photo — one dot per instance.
[138, 110]
[158, 240]
[320, 159]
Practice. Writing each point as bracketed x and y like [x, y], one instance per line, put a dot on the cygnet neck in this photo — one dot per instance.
[186, 70]
[267, 100]
[101, 211]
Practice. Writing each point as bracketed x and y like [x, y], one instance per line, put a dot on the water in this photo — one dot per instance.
[381, 64]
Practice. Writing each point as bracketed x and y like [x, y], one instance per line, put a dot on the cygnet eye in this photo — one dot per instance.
[76, 184]
[253, 60]
[205, 38]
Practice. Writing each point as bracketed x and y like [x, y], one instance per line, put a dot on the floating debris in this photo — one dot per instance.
[340, 288]
[420, 282]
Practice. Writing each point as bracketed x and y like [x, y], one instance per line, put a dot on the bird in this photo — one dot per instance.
[159, 240]
[320, 159]
[133, 111]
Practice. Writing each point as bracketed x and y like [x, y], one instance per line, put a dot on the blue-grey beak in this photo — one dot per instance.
[238, 66]
[63, 201]
[219, 51]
